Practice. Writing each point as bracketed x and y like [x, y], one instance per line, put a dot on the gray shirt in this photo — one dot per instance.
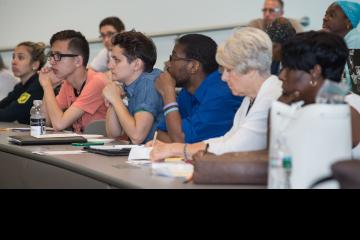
[7, 83]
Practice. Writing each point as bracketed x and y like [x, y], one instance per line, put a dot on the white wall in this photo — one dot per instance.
[37, 20]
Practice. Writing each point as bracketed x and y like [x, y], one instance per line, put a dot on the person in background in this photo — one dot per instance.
[279, 32]
[80, 100]
[205, 107]
[245, 59]
[7, 80]
[133, 56]
[108, 28]
[342, 19]
[28, 59]
[272, 10]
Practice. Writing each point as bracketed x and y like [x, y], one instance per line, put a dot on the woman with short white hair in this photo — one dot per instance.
[245, 59]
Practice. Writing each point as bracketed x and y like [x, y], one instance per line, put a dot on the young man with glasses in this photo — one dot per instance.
[108, 28]
[80, 100]
[272, 10]
[205, 107]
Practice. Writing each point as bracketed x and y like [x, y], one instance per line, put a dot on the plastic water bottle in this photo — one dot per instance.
[280, 166]
[37, 119]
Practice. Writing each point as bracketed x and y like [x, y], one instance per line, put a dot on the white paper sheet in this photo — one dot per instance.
[140, 153]
[54, 153]
[176, 170]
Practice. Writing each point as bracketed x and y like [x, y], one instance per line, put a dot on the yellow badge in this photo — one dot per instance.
[24, 98]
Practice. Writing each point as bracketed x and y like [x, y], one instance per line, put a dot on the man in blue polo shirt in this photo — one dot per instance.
[205, 107]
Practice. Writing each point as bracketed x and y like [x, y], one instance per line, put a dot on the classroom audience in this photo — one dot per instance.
[133, 56]
[80, 100]
[246, 60]
[28, 58]
[7, 80]
[272, 10]
[205, 107]
[226, 91]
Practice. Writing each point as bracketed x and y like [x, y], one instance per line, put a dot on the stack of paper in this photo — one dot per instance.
[173, 169]
[139, 155]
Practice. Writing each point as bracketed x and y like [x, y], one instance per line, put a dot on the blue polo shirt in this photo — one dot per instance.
[209, 113]
[143, 97]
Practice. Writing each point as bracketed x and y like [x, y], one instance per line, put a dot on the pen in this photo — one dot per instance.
[155, 137]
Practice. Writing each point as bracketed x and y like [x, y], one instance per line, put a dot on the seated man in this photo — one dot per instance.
[205, 108]
[133, 56]
[272, 10]
[80, 98]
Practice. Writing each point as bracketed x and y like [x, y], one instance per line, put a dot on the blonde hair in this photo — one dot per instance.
[37, 52]
[246, 49]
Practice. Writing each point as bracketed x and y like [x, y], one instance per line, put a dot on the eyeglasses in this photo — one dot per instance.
[271, 10]
[58, 56]
[174, 58]
[107, 35]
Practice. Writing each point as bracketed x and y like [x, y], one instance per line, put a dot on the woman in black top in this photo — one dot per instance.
[28, 58]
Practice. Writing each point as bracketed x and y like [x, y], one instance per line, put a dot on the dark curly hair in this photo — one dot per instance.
[137, 45]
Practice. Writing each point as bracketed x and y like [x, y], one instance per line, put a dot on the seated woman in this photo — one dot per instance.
[308, 60]
[133, 57]
[28, 59]
[246, 60]
[342, 19]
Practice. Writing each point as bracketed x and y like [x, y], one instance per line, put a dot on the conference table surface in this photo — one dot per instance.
[21, 168]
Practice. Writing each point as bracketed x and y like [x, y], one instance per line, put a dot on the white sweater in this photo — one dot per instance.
[249, 132]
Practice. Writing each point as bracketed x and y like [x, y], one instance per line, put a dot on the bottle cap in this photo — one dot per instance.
[37, 102]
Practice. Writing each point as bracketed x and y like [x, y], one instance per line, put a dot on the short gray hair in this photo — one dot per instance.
[246, 49]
